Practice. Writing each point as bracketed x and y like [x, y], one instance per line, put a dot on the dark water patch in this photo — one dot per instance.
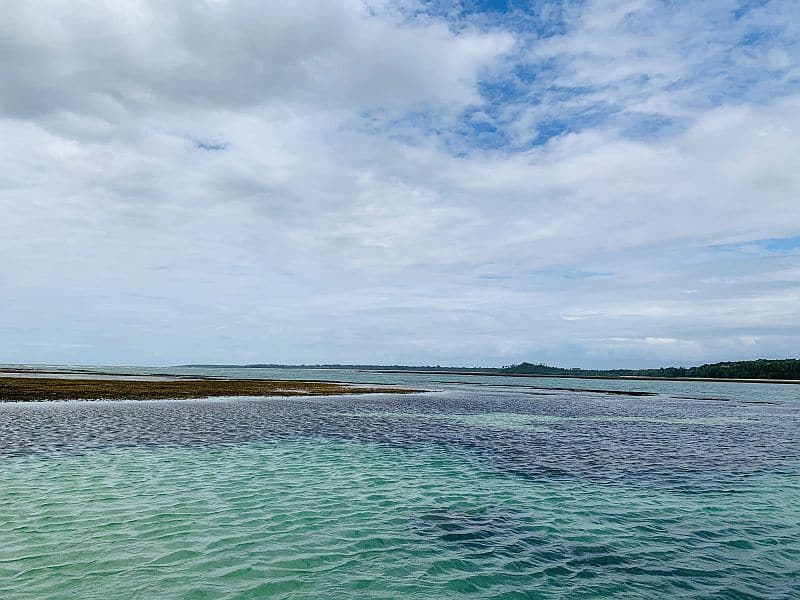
[661, 558]
[678, 444]
[517, 387]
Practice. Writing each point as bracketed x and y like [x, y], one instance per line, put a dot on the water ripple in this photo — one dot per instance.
[431, 496]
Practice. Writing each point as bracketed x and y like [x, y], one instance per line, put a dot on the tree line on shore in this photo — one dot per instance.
[788, 368]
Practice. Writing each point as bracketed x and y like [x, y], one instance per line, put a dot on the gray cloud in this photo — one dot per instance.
[109, 60]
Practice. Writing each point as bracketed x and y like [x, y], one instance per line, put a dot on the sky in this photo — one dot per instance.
[595, 183]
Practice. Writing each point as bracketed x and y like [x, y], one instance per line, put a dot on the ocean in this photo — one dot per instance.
[480, 487]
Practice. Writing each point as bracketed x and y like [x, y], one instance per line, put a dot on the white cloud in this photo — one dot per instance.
[312, 234]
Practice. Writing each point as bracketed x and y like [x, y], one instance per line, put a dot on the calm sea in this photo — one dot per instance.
[483, 487]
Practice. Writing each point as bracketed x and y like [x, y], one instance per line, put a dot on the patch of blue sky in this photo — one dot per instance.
[531, 88]
[487, 129]
[525, 74]
[752, 88]
[782, 244]
[589, 117]
[785, 245]
[500, 91]
[500, 6]
[561, 109]
[546, 130]
[760, 35]
[542, 18]
[651, 125]
[746, 6]
[479, 136]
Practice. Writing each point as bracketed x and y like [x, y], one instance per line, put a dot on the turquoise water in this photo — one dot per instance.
[474, 491]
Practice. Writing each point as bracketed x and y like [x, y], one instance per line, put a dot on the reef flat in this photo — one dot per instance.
[37, 389]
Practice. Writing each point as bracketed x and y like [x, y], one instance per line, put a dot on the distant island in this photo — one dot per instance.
[416, 369]
[786, 369]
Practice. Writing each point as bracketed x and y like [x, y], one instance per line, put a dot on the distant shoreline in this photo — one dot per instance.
[88, 373]
[783, 370]
[609, 377]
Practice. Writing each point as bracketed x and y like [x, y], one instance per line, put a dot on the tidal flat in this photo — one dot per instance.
[38, 389]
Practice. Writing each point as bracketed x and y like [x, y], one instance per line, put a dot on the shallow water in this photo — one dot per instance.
[484, 491]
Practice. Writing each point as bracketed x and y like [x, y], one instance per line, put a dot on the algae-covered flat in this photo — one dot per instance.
[35, 389]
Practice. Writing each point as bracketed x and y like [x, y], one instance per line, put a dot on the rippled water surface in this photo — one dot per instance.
[484, 488]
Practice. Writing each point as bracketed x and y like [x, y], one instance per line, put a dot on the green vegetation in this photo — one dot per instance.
[751, 369]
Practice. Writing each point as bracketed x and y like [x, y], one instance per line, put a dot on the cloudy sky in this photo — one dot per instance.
[586, 183]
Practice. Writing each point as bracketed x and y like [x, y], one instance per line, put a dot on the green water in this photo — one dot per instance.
[319, 518]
